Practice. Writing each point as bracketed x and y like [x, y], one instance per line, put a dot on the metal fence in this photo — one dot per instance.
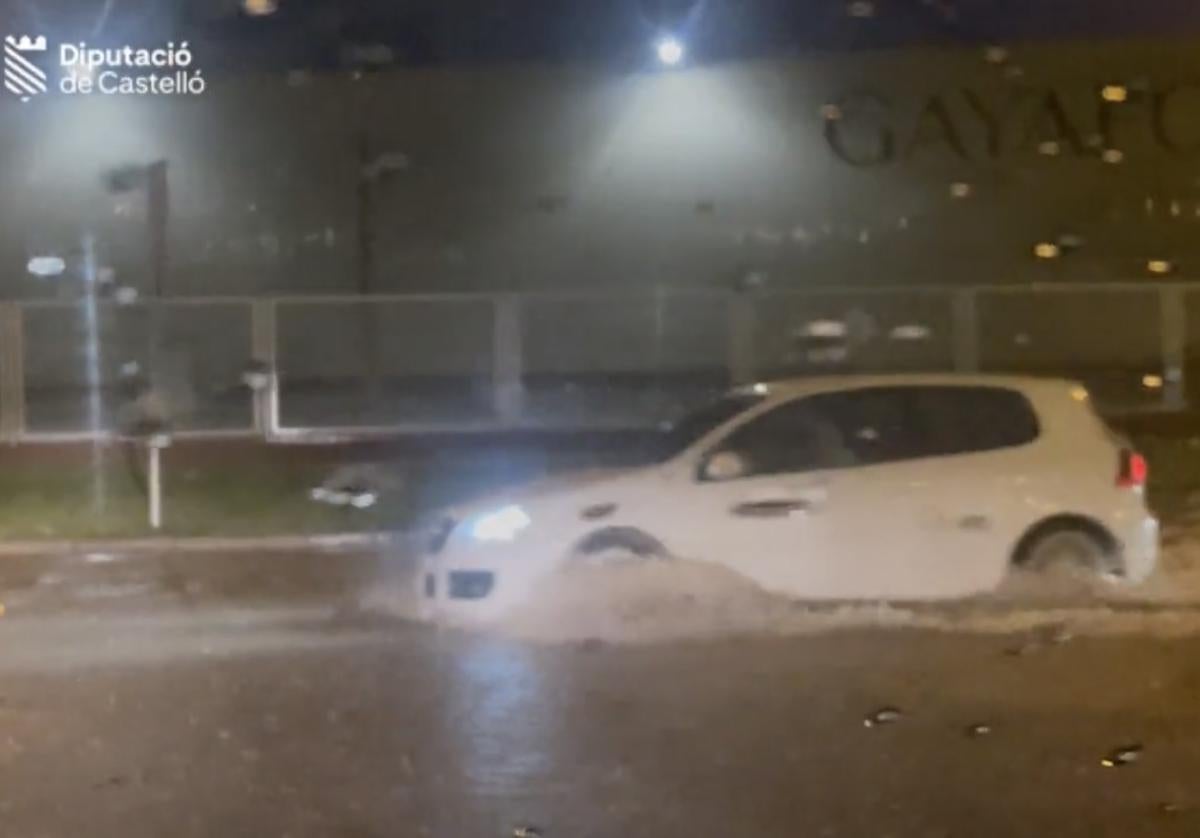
[354, 367]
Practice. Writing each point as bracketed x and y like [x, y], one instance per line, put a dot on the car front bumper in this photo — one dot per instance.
[472, 583]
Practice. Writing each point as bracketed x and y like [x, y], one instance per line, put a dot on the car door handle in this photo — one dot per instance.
[773, 508]
[974, 523]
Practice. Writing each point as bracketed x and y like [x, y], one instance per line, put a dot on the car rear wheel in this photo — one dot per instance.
[1067, 557]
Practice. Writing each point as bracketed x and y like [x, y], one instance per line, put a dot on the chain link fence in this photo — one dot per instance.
[353, 367]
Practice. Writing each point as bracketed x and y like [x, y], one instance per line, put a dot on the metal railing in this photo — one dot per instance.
[349, 367]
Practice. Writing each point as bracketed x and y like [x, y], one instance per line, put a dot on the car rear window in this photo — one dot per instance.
[961, 420]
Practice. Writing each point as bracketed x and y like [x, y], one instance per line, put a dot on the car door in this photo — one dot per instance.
[969, 485]
[937, 469]
[870, 524]
[770, 522]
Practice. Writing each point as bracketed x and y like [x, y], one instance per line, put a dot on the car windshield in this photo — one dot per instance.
[677, 437]
[368, 375]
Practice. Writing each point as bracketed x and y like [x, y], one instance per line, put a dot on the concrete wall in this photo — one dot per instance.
[553, 177]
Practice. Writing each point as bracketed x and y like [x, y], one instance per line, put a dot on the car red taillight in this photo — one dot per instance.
[1134, 470]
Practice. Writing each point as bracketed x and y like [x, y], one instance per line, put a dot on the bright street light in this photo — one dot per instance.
[670, 51]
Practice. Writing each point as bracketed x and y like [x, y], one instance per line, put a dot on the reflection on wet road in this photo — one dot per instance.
[244, 696]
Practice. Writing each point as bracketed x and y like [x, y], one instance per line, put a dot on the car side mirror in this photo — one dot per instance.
[725, 465]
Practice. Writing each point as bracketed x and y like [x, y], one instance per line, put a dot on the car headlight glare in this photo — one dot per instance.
[501, 525]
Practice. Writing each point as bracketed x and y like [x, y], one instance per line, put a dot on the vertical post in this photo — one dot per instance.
[508, 361]
[965, 330]
[264, 348]
[12, 372]
[158, 209]
[742, 323]
[155, 484]
[1173, 333]
[364, 197]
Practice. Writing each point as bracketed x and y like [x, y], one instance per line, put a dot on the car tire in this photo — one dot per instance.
[1075, 554]
[620, 544]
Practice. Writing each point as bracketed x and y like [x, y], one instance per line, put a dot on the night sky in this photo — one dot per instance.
[434, 32]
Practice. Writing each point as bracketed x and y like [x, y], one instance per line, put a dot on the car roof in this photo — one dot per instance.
[824, 383]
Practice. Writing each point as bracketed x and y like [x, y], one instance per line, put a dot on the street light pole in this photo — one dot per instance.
[158, 209]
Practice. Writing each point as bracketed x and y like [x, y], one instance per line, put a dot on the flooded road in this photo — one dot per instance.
[148, 697]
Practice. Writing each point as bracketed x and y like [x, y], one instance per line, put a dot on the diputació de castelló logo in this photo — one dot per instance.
[83, 70]
[21, 75]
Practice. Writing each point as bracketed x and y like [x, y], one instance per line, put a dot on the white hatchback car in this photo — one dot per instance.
[898, 487]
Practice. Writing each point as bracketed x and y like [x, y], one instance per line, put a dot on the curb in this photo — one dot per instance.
[204, 544]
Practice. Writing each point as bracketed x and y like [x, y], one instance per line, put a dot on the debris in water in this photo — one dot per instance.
[1054, 635]
[883, 716]
[1058, 635]
[976, 731]
[526, 832]
[1171, 808]
[1125, 755]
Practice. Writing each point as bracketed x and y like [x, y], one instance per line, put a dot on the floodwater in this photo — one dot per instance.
[253, 695]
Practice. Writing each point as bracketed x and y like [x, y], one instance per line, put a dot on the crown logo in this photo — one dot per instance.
[27, 44]
[22, 77]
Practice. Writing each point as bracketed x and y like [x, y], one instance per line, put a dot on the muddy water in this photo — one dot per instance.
[350, 730]
[240, 697]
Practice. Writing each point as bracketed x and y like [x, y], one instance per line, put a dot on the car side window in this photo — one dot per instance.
[889, 424]
[962, 420]
[794, 437]
[874, 425]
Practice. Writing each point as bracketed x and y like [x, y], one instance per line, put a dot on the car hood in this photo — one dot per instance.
[566, 488]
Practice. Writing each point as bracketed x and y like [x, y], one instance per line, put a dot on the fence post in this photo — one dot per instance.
[1173, 327]
[12, 372]
[965, 330]
[264, 348]
[508, 361]
[742, 322]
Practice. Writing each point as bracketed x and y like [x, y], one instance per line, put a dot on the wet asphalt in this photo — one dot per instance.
[251, 695]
